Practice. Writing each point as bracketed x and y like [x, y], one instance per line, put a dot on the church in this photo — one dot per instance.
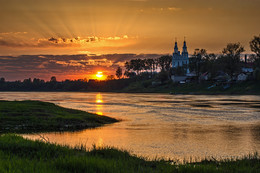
[180, 59]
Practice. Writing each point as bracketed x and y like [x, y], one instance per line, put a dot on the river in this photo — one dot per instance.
[178, 127]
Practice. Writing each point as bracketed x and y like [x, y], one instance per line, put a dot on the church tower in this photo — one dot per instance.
[185, 54]
[184, 50]
[178, 60]
[176, 51]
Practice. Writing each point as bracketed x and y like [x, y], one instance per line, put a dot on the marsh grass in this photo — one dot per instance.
[37, 116]
[22, 155]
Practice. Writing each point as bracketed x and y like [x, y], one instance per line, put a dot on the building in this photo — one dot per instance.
[180, 59]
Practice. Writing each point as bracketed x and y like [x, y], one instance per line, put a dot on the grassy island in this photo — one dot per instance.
[37, 116]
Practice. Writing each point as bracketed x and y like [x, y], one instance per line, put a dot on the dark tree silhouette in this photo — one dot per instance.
[111, 77]
[2, 80]
[119, 72]
[231, 58]
[165, 62]
[255, 45]
[53, 79]
[150, 64]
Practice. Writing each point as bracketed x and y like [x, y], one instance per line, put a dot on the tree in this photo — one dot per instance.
[53, 79]
[129, 74]
[127, 66]
[119, 72]
[233, 49]
[165, 62]
[111, 77]
[150, 65]
[138, 65]
[230, 58]
[196, 62]
[255, 45]
[2, 80]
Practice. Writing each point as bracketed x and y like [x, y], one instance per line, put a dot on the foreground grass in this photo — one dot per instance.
[21, 155]
[37, 116]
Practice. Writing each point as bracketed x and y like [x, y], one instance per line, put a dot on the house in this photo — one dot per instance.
[242, 77]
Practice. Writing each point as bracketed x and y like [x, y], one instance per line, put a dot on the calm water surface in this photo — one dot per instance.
[162, 125]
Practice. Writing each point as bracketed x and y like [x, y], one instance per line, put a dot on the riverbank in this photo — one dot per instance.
[204, 88]
[37, 116]
[21, 155]
[142, 85]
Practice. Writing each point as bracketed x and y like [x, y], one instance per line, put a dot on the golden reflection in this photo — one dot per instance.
[99, 101]
[99, 106]
[99, 98]
[99, 113]
[99, 143]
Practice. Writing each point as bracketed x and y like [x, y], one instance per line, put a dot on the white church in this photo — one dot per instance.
[179, 60]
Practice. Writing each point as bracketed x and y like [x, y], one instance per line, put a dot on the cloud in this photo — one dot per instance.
[174, 9]
[64, 42]
[160, 10]
[13, 33]
[52, 39]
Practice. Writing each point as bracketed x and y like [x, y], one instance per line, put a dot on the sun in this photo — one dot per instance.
[99, 75]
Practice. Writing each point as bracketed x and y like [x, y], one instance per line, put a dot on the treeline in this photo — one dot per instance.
[67, 85]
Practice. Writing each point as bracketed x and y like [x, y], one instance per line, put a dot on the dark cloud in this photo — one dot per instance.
[52, 39]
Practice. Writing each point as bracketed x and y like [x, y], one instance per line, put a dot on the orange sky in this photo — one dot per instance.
[124, 26]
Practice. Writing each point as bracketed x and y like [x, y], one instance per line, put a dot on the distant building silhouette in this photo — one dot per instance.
[179, 59]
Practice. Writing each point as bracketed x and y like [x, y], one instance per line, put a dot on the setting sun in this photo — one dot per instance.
[99, 75]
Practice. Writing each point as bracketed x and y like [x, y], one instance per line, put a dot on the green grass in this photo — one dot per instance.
[37, 116]
[21, 155]
[248, 87]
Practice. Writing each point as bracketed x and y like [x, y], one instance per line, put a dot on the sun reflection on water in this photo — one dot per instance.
[99, 106]
[99, 98]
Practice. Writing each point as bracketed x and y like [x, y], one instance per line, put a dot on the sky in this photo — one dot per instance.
[99, 27]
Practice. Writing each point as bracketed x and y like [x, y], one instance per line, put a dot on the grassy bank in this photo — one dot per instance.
[249, 87]
[36, 116]
[22, 155]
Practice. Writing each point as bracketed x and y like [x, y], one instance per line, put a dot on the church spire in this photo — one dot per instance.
[176, 46]
[184, 49]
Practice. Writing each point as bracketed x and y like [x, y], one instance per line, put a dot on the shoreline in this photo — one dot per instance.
[148, 92]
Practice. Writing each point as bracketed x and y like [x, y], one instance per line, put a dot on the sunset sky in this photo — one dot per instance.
[66, 27]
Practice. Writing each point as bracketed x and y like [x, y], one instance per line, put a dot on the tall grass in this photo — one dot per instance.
[22, 155]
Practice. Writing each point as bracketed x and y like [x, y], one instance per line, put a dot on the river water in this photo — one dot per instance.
[178, 127]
